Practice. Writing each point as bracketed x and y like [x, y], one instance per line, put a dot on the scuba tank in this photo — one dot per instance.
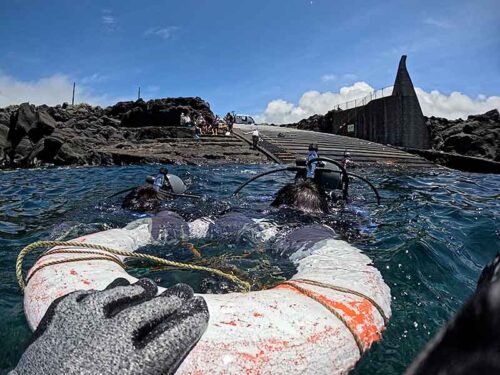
[328, 175]
[178, 186]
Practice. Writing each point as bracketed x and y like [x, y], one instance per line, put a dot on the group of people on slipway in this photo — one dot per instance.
[204, 127]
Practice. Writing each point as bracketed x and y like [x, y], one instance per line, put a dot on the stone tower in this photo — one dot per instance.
[412, 131]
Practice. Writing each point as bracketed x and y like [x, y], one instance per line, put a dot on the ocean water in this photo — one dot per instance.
[430, 238]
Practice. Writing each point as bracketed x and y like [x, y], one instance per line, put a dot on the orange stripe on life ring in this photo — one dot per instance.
[358, 314]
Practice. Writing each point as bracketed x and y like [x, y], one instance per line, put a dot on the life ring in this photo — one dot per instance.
[318, 322]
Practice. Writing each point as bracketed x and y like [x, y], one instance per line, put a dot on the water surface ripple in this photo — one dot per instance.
[430, 238]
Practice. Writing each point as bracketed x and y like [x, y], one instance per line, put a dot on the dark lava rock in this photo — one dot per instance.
[478, 136]
[22, 121]
[86, 135]
[4, 143]
[121, 108]
[45, 149]
[108, 121]
[163, 132]
[20, 152]
[160, 112]
[44, 125]
[70, 153]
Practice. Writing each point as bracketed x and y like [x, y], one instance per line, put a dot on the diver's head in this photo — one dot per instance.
[311, 147]
[303, 195]
[142, 199]
[164, 170]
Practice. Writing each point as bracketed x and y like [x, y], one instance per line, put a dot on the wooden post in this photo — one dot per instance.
[73, 97]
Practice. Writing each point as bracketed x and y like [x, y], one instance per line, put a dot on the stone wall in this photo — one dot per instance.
[396, 120]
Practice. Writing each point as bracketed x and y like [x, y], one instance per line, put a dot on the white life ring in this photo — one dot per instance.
[312, 324]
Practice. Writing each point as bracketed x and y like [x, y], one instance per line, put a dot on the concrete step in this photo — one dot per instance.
[295, 143]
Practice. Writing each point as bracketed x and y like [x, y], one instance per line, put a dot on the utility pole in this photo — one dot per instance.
[73, 98]
[139, 93]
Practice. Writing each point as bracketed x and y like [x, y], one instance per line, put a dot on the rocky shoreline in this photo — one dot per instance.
[478, 136]
[125, 133]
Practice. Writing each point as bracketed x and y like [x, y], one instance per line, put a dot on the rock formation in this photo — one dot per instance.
[478, 136]
[127, 132]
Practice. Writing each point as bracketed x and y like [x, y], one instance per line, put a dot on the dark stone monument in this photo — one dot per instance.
[396, 119]
[413, 131]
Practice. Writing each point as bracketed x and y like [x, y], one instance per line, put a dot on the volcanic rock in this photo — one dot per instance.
[22, 121]
[128, 132]
[44, 125]
[478, 136]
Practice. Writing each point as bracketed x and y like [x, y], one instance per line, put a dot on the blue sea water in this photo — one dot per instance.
[430, 238]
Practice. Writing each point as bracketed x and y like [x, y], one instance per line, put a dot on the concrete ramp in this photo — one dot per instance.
[286, 144]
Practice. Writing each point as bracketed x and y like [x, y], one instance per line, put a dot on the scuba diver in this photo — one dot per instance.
[316, 181]
[346, 161]
[161, 180]
[148, 197]
[312, 154]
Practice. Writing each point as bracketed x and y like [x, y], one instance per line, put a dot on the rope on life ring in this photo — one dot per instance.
[244, 285]
[306, 292]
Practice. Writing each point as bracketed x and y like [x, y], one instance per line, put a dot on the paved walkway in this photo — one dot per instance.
[286, 144]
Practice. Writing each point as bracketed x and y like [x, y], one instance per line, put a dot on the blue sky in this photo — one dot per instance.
[243, 55]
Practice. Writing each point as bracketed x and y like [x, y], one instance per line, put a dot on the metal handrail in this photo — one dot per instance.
[359, 102]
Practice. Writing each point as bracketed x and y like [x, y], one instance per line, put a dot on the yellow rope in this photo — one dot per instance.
[22, 284]
[193, 249]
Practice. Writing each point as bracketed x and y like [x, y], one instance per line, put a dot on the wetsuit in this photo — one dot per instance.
[159, 181]
[311, 167]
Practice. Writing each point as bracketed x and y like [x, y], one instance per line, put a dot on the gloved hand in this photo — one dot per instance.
[124, 329]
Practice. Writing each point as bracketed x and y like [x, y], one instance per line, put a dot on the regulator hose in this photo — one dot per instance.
[290, 169]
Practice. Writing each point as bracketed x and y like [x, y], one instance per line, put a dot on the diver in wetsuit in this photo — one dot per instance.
[312, 154]
[161, 180]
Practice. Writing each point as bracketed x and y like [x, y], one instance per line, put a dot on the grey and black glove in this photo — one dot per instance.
[124, 329]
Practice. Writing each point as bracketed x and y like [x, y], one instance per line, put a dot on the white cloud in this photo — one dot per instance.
[52, 90]
[162, 32]
[442, 24]
[329, 77]
[108, 20]
[94, 78]
[456, 105]
[314, 102]
[348, 77]
[311, 103]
